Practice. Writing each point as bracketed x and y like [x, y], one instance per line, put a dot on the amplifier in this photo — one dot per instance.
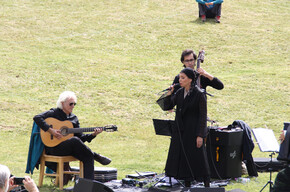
[224, 151]
[102, 174]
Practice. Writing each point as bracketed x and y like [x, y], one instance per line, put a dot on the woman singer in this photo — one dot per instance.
[187, 159]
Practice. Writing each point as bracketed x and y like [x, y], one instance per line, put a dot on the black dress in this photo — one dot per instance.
[185, 161]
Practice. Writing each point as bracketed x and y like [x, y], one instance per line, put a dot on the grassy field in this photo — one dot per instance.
[117, 55]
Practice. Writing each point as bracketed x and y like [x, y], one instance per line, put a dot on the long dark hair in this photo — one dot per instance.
[192, 74]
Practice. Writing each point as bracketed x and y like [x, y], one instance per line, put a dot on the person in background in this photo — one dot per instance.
[210, 9]
[188, 59]
[7, 182]
[282, 181]
[73, 146]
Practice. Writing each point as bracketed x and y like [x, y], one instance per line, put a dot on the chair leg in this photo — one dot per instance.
[81, 169]
[41, 173]
[57, 175]
[60, 169]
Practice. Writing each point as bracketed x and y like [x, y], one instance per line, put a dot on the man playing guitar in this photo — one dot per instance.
[74, 146]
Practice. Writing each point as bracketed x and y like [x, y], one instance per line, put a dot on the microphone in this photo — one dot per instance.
[175, 86]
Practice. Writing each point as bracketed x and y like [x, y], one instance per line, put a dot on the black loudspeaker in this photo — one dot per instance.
[224, 150]
[236, 190]
[86, 185]
[156, 189]
[206, 189]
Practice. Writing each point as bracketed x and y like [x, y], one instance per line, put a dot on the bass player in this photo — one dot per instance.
[188, 59]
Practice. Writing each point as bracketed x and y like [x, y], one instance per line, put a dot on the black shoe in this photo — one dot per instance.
[187, 183]
[206, 182]
[102, 159]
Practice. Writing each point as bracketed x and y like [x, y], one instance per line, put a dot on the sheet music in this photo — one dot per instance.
[266, 140]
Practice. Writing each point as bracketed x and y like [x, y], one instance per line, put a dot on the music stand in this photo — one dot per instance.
[163, 127]
[267, 143]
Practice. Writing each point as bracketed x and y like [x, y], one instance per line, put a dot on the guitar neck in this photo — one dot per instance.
[80, 130]
[67, 130]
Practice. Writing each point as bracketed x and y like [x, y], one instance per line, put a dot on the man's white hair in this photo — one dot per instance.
[64, 96]
[4, 178]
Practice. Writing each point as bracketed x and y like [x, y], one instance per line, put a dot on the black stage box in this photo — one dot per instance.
[102, 174]
[265, 164]
[205, 189]
[224, 150]
[86, 185]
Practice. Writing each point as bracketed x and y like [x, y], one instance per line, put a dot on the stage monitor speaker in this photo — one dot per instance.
[86, 185]
[156, 189]
[236, 190]
[206, 189]
[224, 151]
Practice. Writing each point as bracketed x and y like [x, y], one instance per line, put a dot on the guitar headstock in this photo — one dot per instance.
[110, 128]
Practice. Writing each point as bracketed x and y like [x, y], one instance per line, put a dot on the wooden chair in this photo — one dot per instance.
[60, 160]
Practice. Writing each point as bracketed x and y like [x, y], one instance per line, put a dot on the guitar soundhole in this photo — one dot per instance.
[64, 131]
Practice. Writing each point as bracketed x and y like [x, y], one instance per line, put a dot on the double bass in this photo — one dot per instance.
[200, 59]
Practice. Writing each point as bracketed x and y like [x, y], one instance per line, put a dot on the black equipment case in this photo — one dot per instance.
[224, 150]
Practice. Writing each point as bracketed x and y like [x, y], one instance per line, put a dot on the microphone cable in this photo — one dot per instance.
[211, 157]
[183, 150]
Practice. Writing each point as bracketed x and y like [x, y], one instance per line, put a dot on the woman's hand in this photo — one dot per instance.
[199, 142]
[171, 89]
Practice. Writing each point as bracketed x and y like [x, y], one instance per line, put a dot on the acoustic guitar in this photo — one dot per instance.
[67, 130]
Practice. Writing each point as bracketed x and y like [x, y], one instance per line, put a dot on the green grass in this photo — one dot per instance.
[117, 55]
